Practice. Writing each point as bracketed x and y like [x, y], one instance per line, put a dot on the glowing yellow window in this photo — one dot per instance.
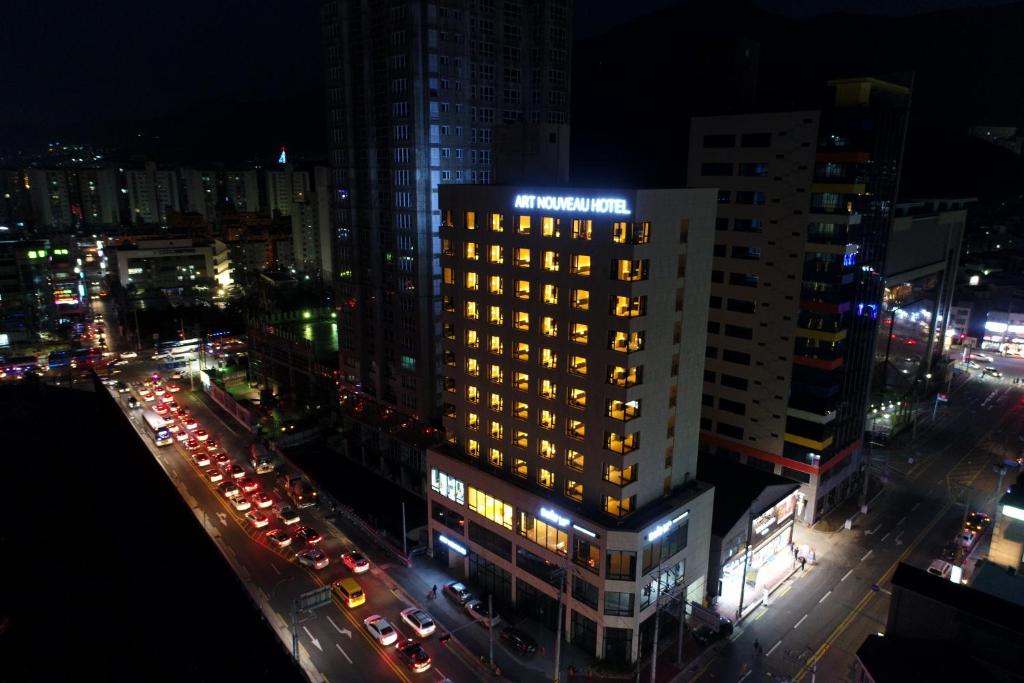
[472, 421]
[624, 377]
[448, 330]
[496, 374]
[619, 507]
[620, 476]
[547, 419]
[497, 430]
[447, 248]
[521, 321]
[623, 410]
[449, 276]
[495, 457]
[496, 346]
[448, 303]
[631, 233]
[550, 294]
[523, 226]
[497, 403]
[626, 342]
[495, 316]
[577, 398]
[582, 229]
[580, 264]
[521, 381]
[622, 443]
[472, 339]
[473, 448]
[548, 359]
[550, 261]
[496, 254]
[471, 220]
[496, 285]
[519, 468]
[497, 222]
[521, 410]
[472, 394]
[574, 490]
[576, 429]
[522, 289]
[472, 367]
[472, 251]
[521, 257]
[547, 449]
[472, 310]
[574, 460]
[579, 333]
[549, 226]
[522, 352]
[581, 299]
[472, 281]
[548, 389]
[546, 478]
[619, 232]
[520, 439]
[630, 271]
[548, 326]
[628, 307]
[578, 366]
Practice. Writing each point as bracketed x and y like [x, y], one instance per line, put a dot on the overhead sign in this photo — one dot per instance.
[546, 202]
[314, 598]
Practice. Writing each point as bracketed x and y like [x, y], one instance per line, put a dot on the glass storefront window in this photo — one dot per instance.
[542, 533]
[490, 507]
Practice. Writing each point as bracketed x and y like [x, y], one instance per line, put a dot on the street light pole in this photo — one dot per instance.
[490, 625]
[558, 627]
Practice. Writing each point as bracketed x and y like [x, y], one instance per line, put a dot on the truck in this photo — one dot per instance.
[299, 490]
[260, 458]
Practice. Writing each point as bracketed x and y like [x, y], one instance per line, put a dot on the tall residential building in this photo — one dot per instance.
[200, 192]
[285, 186]
[95, 201]
[241, 188]
[414, 92]
[152, 192]
[805, 203]
[311, 229]
[571, 403]
[51, 197]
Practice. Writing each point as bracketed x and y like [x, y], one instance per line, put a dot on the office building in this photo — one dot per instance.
[414, 93]
[173, 264]
[805, 201]
[571, 403]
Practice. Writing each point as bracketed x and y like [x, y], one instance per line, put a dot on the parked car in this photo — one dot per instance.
[458, 592]
[519, 640]
[478, 611]
[940, 568]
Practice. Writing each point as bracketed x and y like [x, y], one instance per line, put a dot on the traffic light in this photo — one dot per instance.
[445, 638]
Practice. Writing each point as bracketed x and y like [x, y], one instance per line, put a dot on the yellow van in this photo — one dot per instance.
[350, 592]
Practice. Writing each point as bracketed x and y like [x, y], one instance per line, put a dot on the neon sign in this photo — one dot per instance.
[283, 159]
[452, 544]
[662, 529]
[554, 517]
[570, 203]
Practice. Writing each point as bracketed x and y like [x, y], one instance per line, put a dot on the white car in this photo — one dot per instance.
[129, 354]
[258, 519]
[286, 513]
[383, 632]
[478, 611]
[420, 621]
[241, 503]
[314, 557]
[940, 568]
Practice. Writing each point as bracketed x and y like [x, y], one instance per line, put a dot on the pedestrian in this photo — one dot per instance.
[803, 563]
[433, 592]
[757, 647]
[796, 551]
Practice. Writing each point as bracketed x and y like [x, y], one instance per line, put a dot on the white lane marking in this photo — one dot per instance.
[800, 622]
[873, 531]
[344, 654]
[916, 505]
[745, 676]
[223, 518]
[886, 535]
[846, 575]
[342, 631]
[316, 643]
[769, 653]
[866, 555]
[824, 597]
[274, 567]
[902, 520]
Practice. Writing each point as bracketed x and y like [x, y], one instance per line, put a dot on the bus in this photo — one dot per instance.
[58, 359]
[158, 429]
[176, 348]
[86, 358]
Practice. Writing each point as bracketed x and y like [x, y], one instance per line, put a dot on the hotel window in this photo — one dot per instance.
[496, 374]
[521, 257]
[448, 303]
[577, 398]
[472, 251]
[497, 222]
[631, 233]
[545, 478]
[582, 229]
[473, 421]
[628, 307]
[550, 294]
[449, 358]
[622, 443]
[472, 282]
[550, 261]
[492, 508]
[581, 299]
[520, 439]
[541, 533]
[523, 225]
[450, 410]
[495, 315]
[521, 410]
[472, 393]
[449, 331]
[623, 410]
[548, 389]
[620, 565]
[522, 352]
[620, 476]
[471, 220]
[497, 403]
[619, 507]
[497, 430]
[449, 384]
[549, 226]
[580, 265]
[548, 359]
[577, 366]
[625, 377]
[449, 276]
[548, 326]
[472, 339]
[522, 289]
[446, 247]
[626, 342]
[472, 310]
[576, 429]
[496, 254]
[579, 333]
[547, 449]
[473, 448]
[630, 271]
[521, 381]
[472, 367]
[496, 346]
[496, 285]
[521, 321]
[547, 419]
[574, 460]
[519, 468]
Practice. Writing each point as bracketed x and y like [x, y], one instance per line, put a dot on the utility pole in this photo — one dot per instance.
[295, 630]
[405, 549]
[746, 563]
[558, 628]
[490, 624]
[138, 337]
[682, 623]
[657, 620]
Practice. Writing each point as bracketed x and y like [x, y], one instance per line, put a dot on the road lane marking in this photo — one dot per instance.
[846, 575]
[744, 676]
[886, 535]
[342, 631]
[866, 555]
[316, 643]
[769, 653]
[902, 520]
[800, 622]
[873, 531]
[274, 567]
[344, 654]
[824, 597]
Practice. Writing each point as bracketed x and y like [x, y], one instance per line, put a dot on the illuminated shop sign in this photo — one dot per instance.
[1013, 512]
[554, 517]
[662, 529]
[547, 202]
[452, 544]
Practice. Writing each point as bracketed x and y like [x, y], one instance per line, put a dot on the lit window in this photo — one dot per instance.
[448, 303]
[619, 507]
[579, 333]
[582, 229]
[521, 410]
[578, 366]
[577, 398]
[472, 251]
[447, 248]
[496, 254]
[449, 384]
[471, 220]
[550, 261]
[574, 490]
[496, 374]
[449, 276]
[519, 468]
[624, 377]
[497, 222]
[495, 457]
[549, 227]
[496, 346]
[576, 429]
[472, 421]
[581, 299]
[449, 358]
[548, 389]
[473, 448]
[547, 449]
[548, 326]
[622, 443]
[523, 226]
[623, 410]
[497, 430]
[550, 294]
[472, 394]
[522, 321]
[495, 284]
[472, 339]
[522, 257]
[626, 342]
[630, 271]
[546, 478]
[520, 439]
[472, 310]
[574, 460]
[449, 331]
[628, 307]
[522, 352]
[522, 289]
[547, 419]
[620, 476]
[548, 359]
[631, 233]
[580, 265]
[521, 381]
[497, 403]
[495, 315]
[472, 367]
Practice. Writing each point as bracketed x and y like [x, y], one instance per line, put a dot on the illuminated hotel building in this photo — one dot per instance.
[572, 325]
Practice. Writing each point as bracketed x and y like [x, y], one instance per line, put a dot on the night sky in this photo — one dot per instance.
[67, 66]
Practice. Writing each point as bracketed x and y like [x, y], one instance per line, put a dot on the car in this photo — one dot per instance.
[313, 557]
[307, 535]
[971, 364]
[419, 621]
[220, 459]
[173, 388]
[133, 403]
[234, 470]
[978, 521]
[202, 434]
[122, 388]
[355, 561]
[108, 381]
[194, 445]
[213, 475]
[181, 435]
[174, 407]
[159, 390]
[381, 629]
[478, 611]
[177, 374]
[412, 653]
[967, 538]
[457, 592]
[992, 372]
[166, 398]
[705, 635]
[519, 640]
[212, 446]
[258, 519]
[230, 489]
[129, 354]
[983, 357]
[262, 500]
[201, 459]
[278, 538]
[241, 503]
[147, 396]
[940, 568]
[118, 363]
[247, 484]
[286, 513]
[189, 422]
[155, 377]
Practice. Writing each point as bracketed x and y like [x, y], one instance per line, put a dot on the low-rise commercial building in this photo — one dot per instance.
[173, 264]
